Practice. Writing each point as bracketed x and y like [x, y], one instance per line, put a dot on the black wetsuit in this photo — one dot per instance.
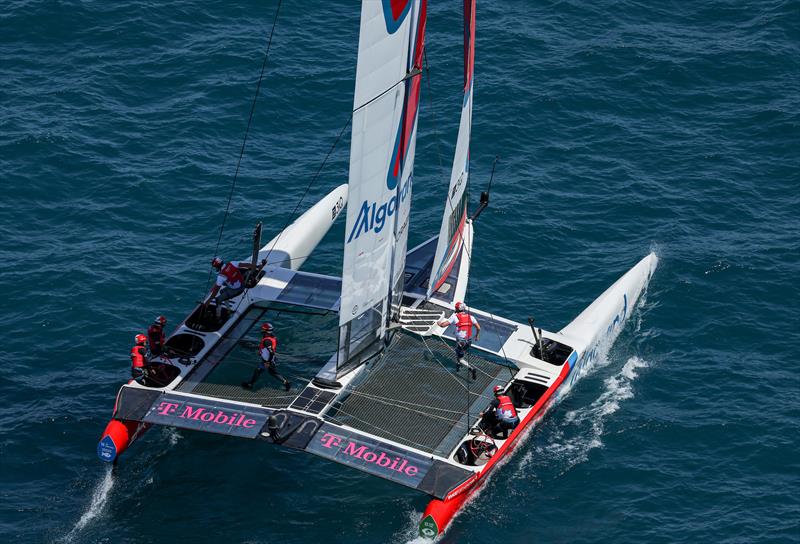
[266, 350]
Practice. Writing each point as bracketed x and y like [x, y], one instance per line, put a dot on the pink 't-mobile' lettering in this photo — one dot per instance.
[330, 440]
[195, 414]
[351, 450]
[383, 460]
[221, 417]
[370, 457]
[166, 408]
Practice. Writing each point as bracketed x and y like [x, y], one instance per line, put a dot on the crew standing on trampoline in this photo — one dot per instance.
[266, 350]
[464, 322]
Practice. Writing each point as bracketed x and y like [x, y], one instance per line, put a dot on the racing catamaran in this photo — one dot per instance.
[389, 400]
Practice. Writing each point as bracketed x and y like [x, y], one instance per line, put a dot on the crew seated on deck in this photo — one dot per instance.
[229, 283]
[501, 416]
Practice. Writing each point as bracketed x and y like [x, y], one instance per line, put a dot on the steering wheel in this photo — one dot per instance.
[482, 446]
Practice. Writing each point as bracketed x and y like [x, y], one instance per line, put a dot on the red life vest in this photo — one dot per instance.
[137, 356]
[270, 343]
[464, 323]
[231, 272]
[506, 407]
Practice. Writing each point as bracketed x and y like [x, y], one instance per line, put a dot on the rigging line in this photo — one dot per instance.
[442, 339]
[471, 364]
[424, 414]
[406, 405]
[414, 72]
[401, 439]
[491, 176]
[428, 406]
[294, 211]
[310, 183]
[440, 363]
[246, 133]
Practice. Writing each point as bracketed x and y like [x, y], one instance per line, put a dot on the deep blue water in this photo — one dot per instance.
[621, 127]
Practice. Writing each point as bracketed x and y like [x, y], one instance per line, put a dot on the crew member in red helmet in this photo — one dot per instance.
[138, 361]
[266, 350]
[229, 283]
[503, 414]
[464, 322]
[156, 336]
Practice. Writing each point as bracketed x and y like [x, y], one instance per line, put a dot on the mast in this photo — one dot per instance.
[454, 220]
[382, 149]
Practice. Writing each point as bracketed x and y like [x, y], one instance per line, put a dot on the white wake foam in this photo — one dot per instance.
[589, 422]
[409, 534]
[173, 436]
[585, 425]
[100, 497]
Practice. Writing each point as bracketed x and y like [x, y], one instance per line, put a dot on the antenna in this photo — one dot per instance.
[537, 337]
[533, 329]
[541, 347]
[253, 272]
[484, 202]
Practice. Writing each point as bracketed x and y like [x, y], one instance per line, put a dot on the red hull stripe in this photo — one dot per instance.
[469, 43]
[456, 241]
[443, 511]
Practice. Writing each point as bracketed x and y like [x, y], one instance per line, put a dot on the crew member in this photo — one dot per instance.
[230, 283]
[138, 362]
[504, 415]
[266, 350]
[464, 322]
[156, 337]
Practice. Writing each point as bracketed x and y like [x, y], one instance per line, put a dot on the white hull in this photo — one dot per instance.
[292, 246]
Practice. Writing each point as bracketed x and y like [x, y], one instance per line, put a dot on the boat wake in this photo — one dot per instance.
[173, 436]
[571, 447]
[409, 534]
[100, 497]
[101, 494]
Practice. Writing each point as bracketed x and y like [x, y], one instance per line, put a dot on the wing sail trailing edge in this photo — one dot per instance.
[454, 221]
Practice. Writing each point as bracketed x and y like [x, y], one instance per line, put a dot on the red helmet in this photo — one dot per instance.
[497, 390]
[216, 262]
[160, 320]
[267, 328]
[461, 307]
[140, 339]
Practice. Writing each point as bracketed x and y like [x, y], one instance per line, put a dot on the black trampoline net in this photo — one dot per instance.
[413, 394]
[302, 341]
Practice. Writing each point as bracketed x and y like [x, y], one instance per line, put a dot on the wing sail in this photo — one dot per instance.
[382, 149]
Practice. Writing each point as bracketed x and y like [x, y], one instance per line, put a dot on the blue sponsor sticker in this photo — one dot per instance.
[106, 449]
